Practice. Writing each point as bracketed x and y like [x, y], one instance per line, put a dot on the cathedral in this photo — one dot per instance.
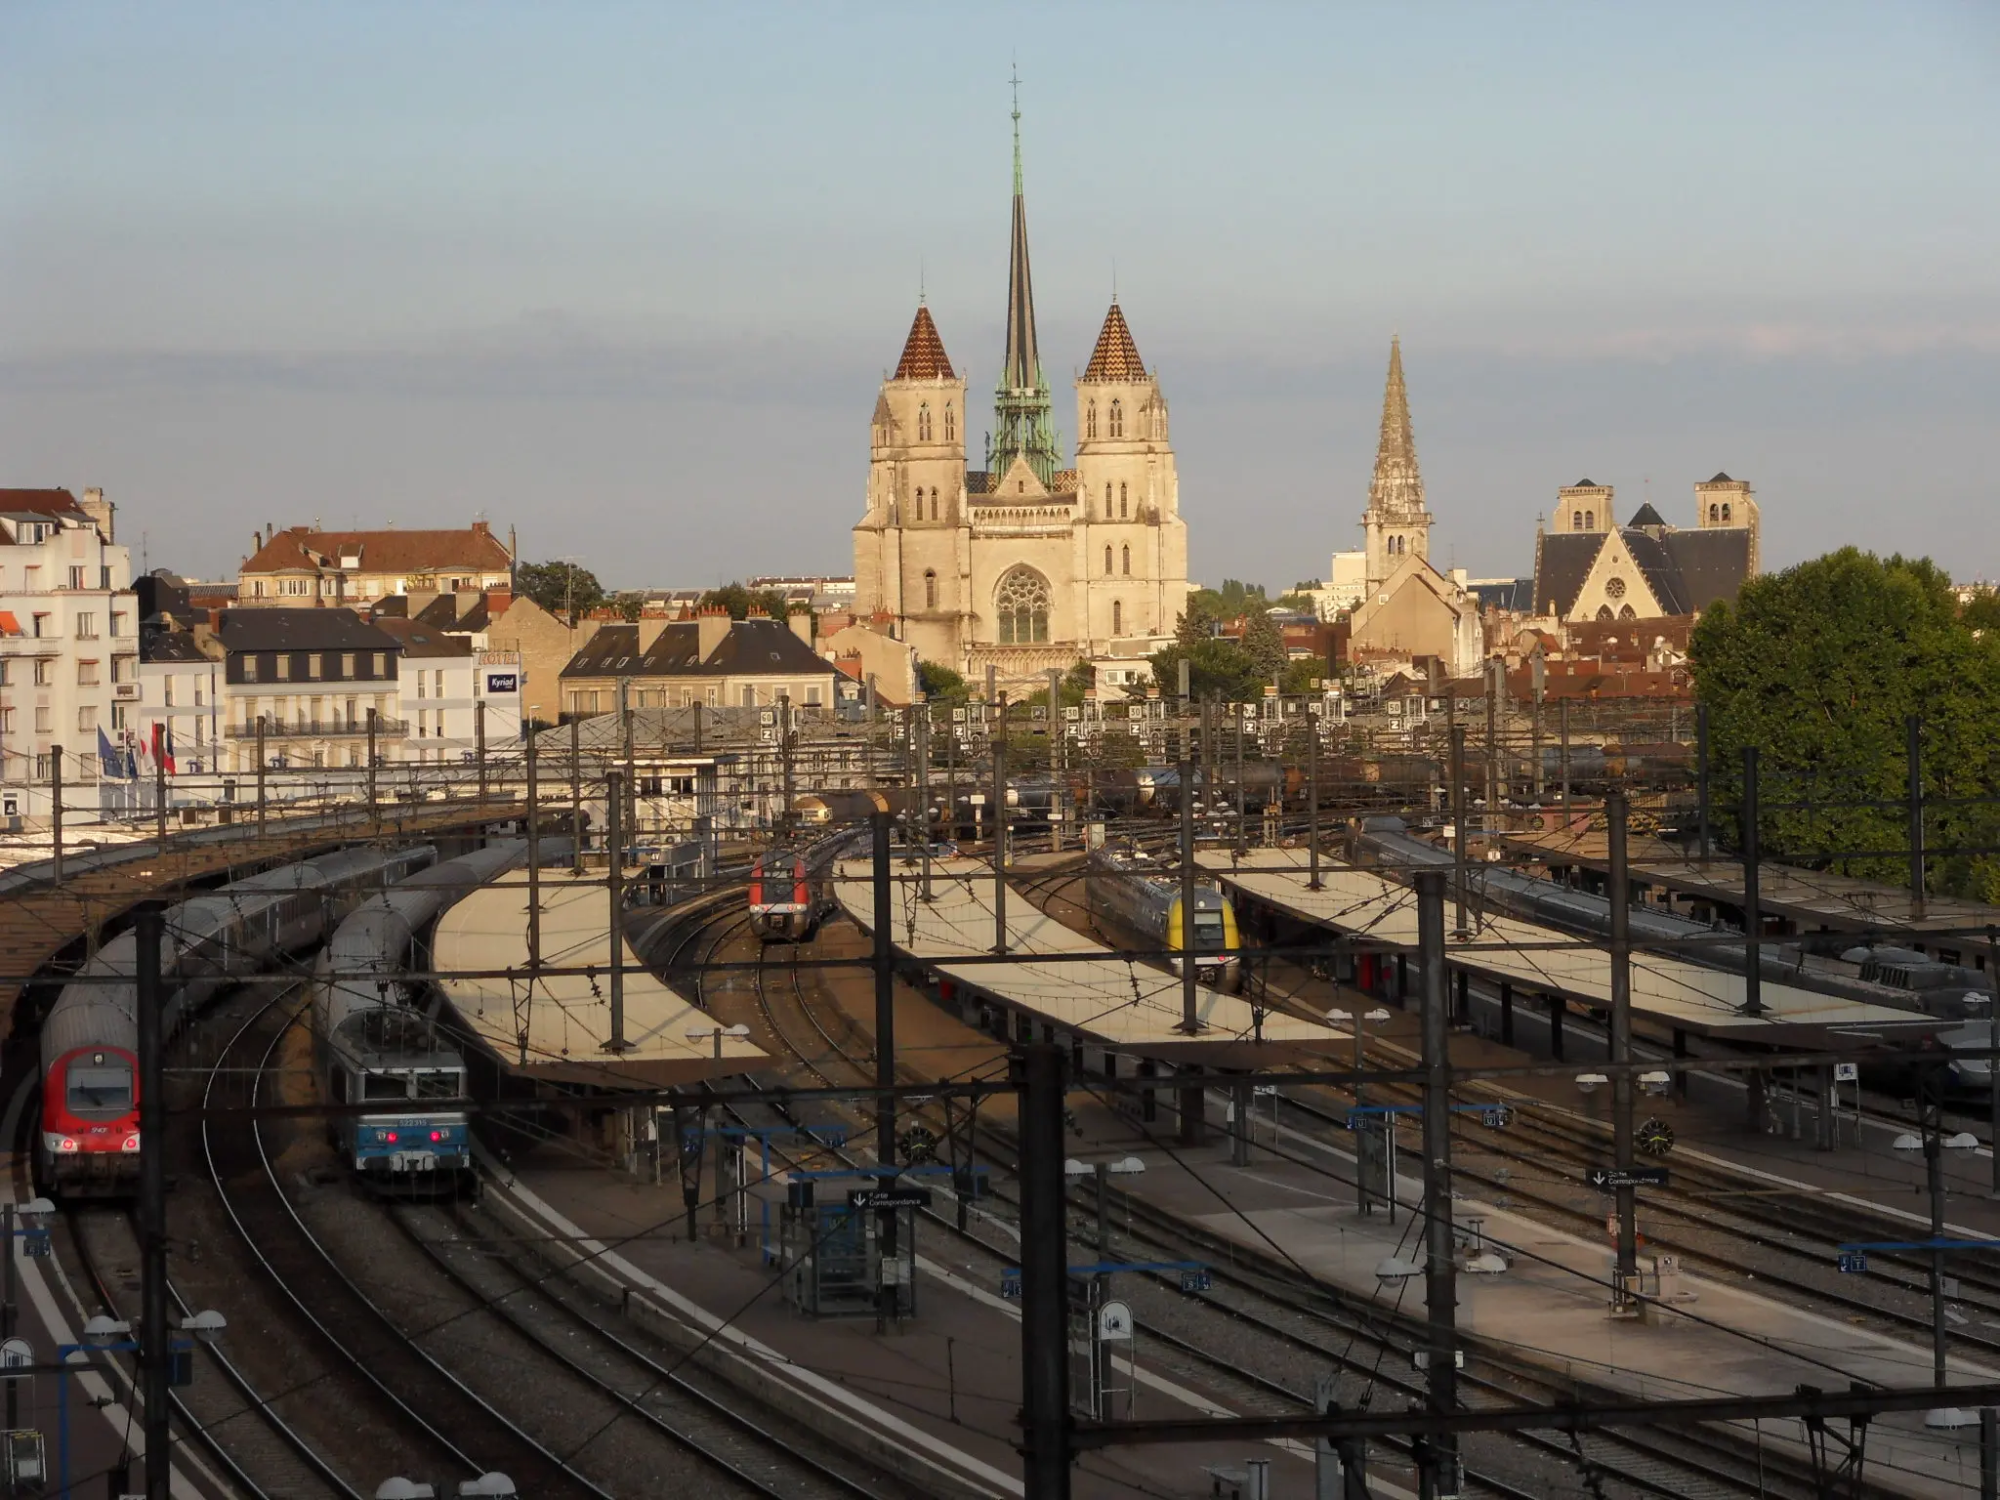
[1026, 563]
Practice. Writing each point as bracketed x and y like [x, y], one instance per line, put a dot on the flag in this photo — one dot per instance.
[163, 746]
[142, 757]
[109, 761]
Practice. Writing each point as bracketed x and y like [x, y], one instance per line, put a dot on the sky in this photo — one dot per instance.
[625, 277]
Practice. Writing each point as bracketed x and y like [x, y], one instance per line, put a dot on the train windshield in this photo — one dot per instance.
[440, 1083]
[100, 1090]
[1208, 931]
[385, 1086]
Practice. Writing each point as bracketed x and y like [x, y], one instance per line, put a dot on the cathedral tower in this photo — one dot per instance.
[1021, 427]
[906, 547]
[1134, 543]
[1396, 522]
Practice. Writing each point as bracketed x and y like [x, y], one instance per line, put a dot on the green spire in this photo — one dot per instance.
[1021, 404]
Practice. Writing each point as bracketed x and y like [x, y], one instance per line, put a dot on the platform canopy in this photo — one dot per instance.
[559, 1027]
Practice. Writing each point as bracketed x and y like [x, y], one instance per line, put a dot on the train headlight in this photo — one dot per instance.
[131, 1142]
[67, 1143]
[436, 1136]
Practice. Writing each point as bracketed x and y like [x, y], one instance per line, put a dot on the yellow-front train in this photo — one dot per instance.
[1135, 888]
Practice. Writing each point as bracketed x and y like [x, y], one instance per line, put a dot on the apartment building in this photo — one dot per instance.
[304, 566]
[312, 676]
[69, 643]
[446, 682]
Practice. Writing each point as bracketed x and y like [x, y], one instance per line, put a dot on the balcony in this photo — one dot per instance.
[324, 729]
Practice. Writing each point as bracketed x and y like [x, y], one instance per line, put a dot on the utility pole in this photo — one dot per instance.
[1562, 728]
[160, 794]
[373, 809]
[924, 793]
[1993, 1062]
[614, 873]
[1701, 834]
[883, 962]
[155, 1358]
[1461, 872]
[1441, 1253]
[785, 763]
[629, 715]
[1496, 678]
[1190, 1019]
[576, 795]
[1915, 732]
[260, 776]
[1621, 1045]
[55, 817]
[1242, 838]
[1000, 829]
[1313, 882]
[1933, 1117]
[1055, 761]
[534, 865]
[1753, 911]
[1044, 1275]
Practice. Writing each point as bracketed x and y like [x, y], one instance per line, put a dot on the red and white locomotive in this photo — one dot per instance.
[791, 887]
[90, 1144]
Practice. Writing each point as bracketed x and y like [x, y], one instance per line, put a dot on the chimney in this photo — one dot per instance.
[712, 626]
[99, 510]
[802, 623]
[464, 601]
[651, 627]
[480, 528]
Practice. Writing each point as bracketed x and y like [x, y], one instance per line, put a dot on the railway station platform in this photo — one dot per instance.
[1523, 956]
[1551, 1305]
[1808, 899]
[40, 916]
[557, 1026]
[1126, 1005]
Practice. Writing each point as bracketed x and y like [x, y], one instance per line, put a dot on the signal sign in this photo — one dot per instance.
[1854, 1262]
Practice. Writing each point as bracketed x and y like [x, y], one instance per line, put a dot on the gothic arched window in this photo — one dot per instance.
[1725, 511]
[1117, 418]
[1628, 613]
[1122, 512]
[1022, 605]
[1603, 611]
[1107, 499]
[1125, 559]
[1090, 420]
[1714, 514]
[950, 424]
[1107, 562]
[930, 588]
[924, 423]
[1117, 618]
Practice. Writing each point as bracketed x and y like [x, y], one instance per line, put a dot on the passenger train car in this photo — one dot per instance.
[1146, 896]
[376, 1042]
[90, 1144]
[791, 887]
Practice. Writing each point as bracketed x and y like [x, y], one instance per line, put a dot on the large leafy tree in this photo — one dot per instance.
[1264, 644]
[940, 682]
[740, 600]
[1822, 667]
[564, 589]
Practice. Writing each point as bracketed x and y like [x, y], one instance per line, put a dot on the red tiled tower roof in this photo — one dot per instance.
[923, 351]
[1116, 357]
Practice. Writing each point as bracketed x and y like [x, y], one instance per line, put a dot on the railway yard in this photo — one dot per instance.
[882, 1157]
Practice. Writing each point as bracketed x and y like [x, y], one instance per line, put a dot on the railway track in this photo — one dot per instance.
[1227, 1341]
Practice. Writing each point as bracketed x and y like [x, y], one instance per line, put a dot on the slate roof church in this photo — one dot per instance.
[1588, 568]
[1028, 562]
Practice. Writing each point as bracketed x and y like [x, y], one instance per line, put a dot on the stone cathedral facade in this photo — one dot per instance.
[1026, 562]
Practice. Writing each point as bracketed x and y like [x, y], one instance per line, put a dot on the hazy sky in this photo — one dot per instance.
[625, 277]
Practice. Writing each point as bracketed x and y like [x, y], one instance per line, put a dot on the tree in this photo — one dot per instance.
[740, 600]
[562, 588]
[1821, 667]
[1264, 644]
[940, 682]
[1198, 619]
[629, 603]
[1982, 611]
[1217, 668]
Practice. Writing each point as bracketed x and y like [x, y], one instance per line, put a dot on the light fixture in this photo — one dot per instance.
[1379, 1013]
[492, 1485]
[36, 1208]
[102, 1330]
[1397, 1270]
[1486, 1263]
[206, 1326]
[1591, 1081]
[1965, 1140]
[1907, 1142]
[1655, 1083]
[399, 1488]
[1947, 1418]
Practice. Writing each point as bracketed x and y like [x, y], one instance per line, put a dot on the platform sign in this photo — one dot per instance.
[1496, 1117]
[1196, 1280]
[1114, 1321]
[866, 1198]
[1010, 1287]
[1608, 1178]
[1854, 1262]
[1847, 1072]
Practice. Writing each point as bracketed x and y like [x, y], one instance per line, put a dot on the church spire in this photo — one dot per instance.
[1398, 486]
[1021, 400]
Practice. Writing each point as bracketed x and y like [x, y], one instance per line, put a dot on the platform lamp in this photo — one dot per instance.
[1934, 1143]
[702, 1033]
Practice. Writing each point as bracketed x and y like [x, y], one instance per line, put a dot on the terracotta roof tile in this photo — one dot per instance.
[923, 351]
[39, 502]
[1116, 357]
[388, 551]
